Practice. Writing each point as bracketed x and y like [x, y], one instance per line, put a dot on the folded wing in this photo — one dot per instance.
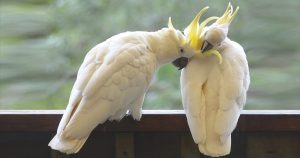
[105, 88]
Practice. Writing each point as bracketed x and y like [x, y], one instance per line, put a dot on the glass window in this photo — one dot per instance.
[43, 42]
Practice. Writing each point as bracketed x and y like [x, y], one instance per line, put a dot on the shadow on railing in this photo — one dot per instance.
[159, 134]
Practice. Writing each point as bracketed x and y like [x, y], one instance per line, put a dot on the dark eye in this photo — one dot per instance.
[181, 50]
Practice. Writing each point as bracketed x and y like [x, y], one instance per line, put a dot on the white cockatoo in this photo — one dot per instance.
[214, 89]
[113, 79]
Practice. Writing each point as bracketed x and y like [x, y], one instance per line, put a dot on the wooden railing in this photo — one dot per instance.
[159, 134]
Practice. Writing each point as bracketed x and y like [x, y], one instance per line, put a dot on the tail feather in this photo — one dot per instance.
[68, 146]
[215, 147]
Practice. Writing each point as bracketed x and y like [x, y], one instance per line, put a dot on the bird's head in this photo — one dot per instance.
[204, 39]
[193, 37]
[215, 34]
[185, 50]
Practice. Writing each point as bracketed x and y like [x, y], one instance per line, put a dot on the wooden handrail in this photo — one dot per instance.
[152, 121]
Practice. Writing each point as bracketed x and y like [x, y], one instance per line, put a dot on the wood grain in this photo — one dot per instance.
[125, 145]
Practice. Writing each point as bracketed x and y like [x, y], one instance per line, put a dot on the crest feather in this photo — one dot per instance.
[228, 15]
[194, 30]
[170, 25]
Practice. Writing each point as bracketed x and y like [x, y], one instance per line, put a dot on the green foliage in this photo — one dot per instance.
[42, 44]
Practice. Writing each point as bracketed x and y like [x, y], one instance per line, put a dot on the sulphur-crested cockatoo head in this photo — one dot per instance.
[185, 49]
[207, 39]
[193, 36]
[215, 34]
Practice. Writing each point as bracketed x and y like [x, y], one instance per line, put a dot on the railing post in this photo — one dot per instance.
[124, 145]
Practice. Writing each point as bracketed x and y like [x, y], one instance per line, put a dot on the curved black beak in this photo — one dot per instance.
[206, 46]
[180, 62]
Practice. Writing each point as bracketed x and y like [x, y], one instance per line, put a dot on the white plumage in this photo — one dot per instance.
[113, 79]
[214, 94]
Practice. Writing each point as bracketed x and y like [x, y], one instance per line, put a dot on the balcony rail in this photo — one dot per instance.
[160, 133]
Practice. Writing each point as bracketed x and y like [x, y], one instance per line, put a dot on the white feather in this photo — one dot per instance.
[213, 96]
[113, 79]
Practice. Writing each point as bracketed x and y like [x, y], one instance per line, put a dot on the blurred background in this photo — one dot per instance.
[43, 42]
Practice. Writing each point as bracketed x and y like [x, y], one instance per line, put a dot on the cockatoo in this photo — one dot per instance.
[214, 89]
[113, 79]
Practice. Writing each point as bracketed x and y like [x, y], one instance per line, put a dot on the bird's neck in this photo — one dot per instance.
[164, 45]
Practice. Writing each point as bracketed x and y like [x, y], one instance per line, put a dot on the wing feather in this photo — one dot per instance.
[234, 83]
[113, 76]
[103, 97]
[85, 71]
[192, 80]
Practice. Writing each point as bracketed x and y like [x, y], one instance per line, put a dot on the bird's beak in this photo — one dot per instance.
[180, 62]
[206, 46]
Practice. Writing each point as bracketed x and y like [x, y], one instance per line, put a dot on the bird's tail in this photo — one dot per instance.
[67, 146]
[216, 146]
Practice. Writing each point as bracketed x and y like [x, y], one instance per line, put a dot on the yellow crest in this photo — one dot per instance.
[228, 15]
[194, 31]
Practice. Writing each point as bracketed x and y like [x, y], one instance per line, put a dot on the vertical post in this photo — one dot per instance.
[125, 145]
